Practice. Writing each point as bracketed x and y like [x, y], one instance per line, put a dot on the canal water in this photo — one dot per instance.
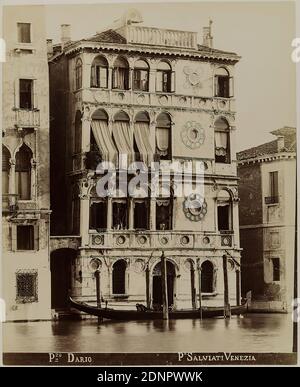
[250, 333]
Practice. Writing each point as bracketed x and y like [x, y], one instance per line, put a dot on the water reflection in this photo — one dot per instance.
[250, 333]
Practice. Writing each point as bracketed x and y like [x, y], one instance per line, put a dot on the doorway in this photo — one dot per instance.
[157, 284]
[61, 262]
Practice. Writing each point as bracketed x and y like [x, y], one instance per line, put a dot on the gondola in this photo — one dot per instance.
[143, 313]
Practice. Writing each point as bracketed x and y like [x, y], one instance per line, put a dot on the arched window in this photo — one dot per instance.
[99, 72]
[5, 170]
[163, 136]
[224, 211]
[223, 83]
[118, 277]
[23, 172]
[122, 136]
[222, 141]
[141, 76]
[101, 147]
[164, 78]
[207, 277]
[141, 144]
[120, 75]
[78, 74]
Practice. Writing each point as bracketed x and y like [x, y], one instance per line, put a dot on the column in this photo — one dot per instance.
[193, 290]
[84, 219]
[109, 213]
[152, 214]
[131, 214]
[200, 286]
[147, 272]
[86, 134]
[226, 294]
[85, 139]
[164, 287]
[12, 177]
[33, 180]
[130, 80]
[109, 78]
[235, 223]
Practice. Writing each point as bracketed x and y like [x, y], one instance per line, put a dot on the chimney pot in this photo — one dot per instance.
[65, 34]
[280, 143]
[207, 36]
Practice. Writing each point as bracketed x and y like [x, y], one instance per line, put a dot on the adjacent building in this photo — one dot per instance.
[154, 95]
[25, 166]
[267, 189]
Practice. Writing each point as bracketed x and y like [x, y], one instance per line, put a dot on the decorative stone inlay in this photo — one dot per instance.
[222, 104]
[195, 207]
[141, 99]
[121, 240]
[163, 100]
[226, 240]
[164, 240]
[206, 240]
[95, 264]
[187, 265]
[98, 239]
[138, 265]
[193, 75]
[142, 239]
[185, 240]
[193, 134]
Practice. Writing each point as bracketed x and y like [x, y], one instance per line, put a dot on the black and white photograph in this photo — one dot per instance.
[149, 196]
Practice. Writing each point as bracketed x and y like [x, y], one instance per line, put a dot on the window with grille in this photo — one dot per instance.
[26, 284]
[24, 33]
[25, 237]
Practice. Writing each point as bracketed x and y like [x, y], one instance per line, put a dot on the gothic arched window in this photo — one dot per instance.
[23, 172]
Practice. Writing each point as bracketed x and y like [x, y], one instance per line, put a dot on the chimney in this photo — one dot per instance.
[207, 36]
[49, 47]
[280, 143]
[65, 34]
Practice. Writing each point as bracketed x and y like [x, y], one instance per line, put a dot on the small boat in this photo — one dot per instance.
[143, 313]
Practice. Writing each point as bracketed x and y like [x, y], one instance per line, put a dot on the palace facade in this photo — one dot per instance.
[267, 189]
[153, 95]
[25, 166]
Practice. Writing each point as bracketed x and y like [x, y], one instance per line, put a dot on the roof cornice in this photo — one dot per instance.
[268, 158]
[160, 50]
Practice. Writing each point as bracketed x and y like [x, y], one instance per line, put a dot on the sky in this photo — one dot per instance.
[260, 32]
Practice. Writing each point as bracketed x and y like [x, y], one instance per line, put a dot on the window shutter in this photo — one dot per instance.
[93, 76]
[172, 88]
[216, 86]
[231, 87]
